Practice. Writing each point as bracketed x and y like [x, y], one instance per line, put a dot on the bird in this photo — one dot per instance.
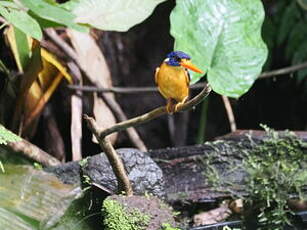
[173, 79]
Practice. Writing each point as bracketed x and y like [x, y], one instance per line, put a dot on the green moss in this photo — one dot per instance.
[116, 217]
[275, 169]
[83, 162]
[168, 227]
[6, 136]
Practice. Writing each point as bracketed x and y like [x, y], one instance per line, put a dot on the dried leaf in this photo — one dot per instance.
[50, 58]
[103, 117]
[30, 75]
[35, 93]
[90, 58]
[43, 100]
[42, 89]
[93, 62]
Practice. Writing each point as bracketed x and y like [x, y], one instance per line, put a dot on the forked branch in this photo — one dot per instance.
[114, 159]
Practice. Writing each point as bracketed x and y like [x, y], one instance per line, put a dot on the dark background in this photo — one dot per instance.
[279, 102]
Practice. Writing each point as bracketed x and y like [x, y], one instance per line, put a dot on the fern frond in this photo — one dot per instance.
[7, 136]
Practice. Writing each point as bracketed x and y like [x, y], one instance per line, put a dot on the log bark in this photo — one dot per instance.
[183, 167]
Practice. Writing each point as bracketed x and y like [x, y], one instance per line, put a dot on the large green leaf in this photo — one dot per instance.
[32, 199]
[54, 13]
[117, 15]
[21, 20]
[224, 38]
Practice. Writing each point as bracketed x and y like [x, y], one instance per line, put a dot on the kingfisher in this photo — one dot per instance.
[173, 79]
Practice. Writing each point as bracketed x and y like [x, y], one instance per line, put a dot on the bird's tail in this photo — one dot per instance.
[171, 106]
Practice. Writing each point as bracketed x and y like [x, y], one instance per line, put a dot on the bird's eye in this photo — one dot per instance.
[178, 59]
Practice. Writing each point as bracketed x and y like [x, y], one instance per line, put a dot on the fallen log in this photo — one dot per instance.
[184, 167]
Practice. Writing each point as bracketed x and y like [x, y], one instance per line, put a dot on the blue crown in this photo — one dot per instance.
[175, 57]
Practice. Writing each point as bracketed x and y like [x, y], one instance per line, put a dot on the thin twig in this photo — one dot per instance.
[155, 113]
[76, 115]
[124, 90]
[230, 115]
[114, 159]
[51, 33]
[132, 90]
[284, 71]
[121, 90]
[33, 152]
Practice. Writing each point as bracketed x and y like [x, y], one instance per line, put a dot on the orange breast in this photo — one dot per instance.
[173, 82]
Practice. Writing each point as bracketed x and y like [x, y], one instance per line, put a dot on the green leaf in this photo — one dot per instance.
[7, 136]
[19, 44]
[32, 199]
[21, 20]
[288, 21]
[54, 13]
[296, 38]
[22, 47]
[117, 15]
[300, 56]
[9, 4]
[44, 23]
[224, 38]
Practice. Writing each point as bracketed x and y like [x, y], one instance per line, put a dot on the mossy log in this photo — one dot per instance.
[184, 167]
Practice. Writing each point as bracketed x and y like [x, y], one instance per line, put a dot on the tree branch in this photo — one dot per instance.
[121, 90]
[131, 90]
[155, 113]
[114, 159]
[33, 152]
[283, 71]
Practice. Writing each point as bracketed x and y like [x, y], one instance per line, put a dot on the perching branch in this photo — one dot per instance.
[114, 159]
[155, 113]
[133, 90]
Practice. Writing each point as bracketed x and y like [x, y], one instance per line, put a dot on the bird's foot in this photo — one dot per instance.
[170, 106]
[180, 104]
